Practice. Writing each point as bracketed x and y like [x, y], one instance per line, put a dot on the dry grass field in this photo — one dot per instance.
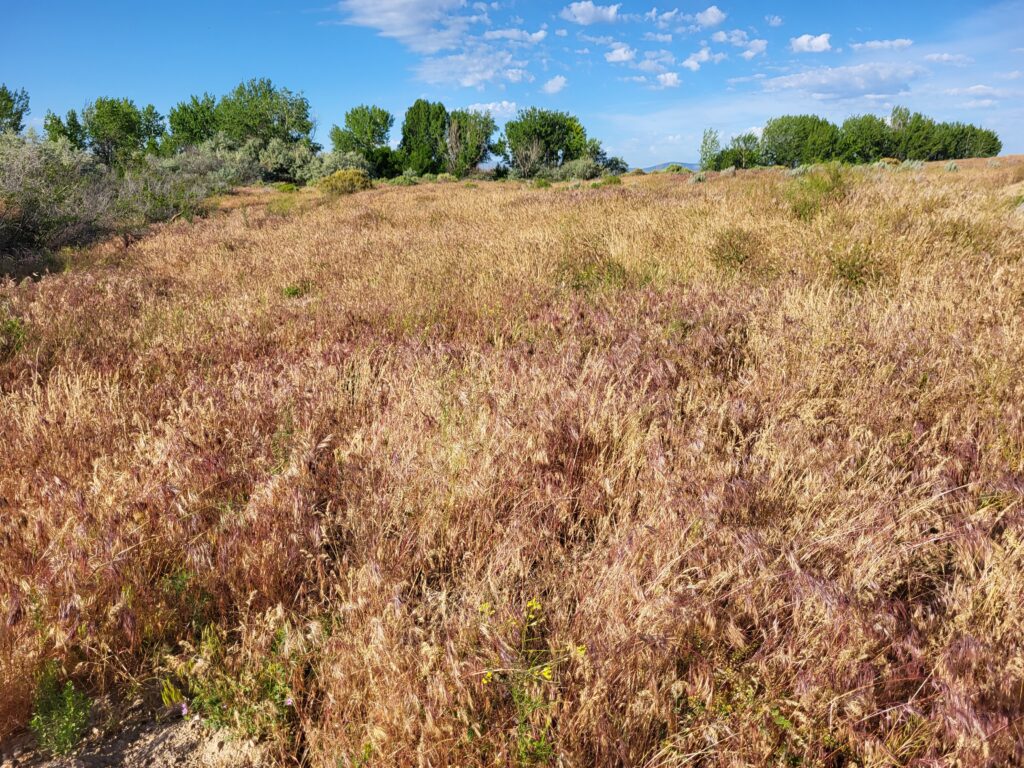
[659, 474]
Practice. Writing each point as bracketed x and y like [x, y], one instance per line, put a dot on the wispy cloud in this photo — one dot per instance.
[773, 21]
[498, 109]
[516, 35]
[425, 26]
[872, 80]
[883, 45]
[956, 59]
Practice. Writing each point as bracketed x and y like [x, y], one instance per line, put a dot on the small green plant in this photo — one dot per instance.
[12, 337]
[447, 177]
[541, 184]
[297, 290]
[403, 181]
[674, 168]
[60, 714]
[952, 167]
[608, 181]
[699, 178]
[344, 182]
[730, 171]
[285, 186]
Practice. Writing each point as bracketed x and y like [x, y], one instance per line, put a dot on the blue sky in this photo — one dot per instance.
[646, 80]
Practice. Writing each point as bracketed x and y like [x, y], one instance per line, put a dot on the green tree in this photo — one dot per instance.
[468, 140]
[423, 137]
[918, 139]
[69, 129]
[540, 138]
[746, 150]
[259, 110]
[367, 129]
[116, 130]
[864, 139]
[710, 147]
[793, 140]
[13, 108]
[194, 121]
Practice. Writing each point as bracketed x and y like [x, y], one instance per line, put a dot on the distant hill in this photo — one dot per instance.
[663, 166]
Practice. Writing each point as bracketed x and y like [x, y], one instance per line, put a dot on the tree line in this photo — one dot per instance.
[793, 140]
[274, 127]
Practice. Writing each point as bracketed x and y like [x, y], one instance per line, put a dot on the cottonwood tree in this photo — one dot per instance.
[13, 108]
[424, 137]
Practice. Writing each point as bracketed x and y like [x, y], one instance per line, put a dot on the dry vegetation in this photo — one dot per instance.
[659, 474]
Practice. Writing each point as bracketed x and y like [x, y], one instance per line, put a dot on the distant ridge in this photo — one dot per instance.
[663, 166]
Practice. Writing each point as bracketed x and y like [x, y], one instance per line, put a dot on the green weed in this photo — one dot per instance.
[60, 714]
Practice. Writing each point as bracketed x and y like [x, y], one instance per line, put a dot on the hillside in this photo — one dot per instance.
[653, 474]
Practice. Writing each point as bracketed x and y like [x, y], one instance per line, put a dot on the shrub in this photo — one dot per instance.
[447, 177]
[699, 178]
[581, 168]
[541, 183]
[345, 182]
[12, 337]
[730, 171]
[608, 181]
[402, 181]
[952, 167]
[734, 246]
[325, 164]
[809, 194]
[60, 713]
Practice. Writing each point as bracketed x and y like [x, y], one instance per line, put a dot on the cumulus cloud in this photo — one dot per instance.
[704, 55]
[956, 59]
[656, 61]
[620, 53]
[883, 45]
[662, 19]
[658, 37]
[711, 16]
[811, 43]
[587, 13]
[498, 109]
[773, 21]
[516, 35]
[740, 39]
[866, 80]
[555, 84]
[668, 80]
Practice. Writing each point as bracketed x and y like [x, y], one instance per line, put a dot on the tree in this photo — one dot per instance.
[260, 110]
[194, 121]
[70, 129]
[423, 137]
[864, 139]
[710, 147]
[367, 128]
[116, 130]
[746, 150]
[917, 139]
[468, 140]
[13, 108]
[540, 138]
[793, 140]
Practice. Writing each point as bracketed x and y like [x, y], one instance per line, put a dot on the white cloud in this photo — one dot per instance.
[472, 68]
[516, 35]
[883, 45]
[587, 13]
[517, 75]
[740, 39]
[711, 16]
[658, 37]
[656, 61]
[668, 80]
[662, 20]
[704, 55]
[867, 80]
[956, 59]
[620, 53]
[1014, 75]
[811, 43]
[561, 32]
[974, 90]
[980, 103]
[425, 26]
[555, 84]
[773, 21]
[755, 48]
[498, 109]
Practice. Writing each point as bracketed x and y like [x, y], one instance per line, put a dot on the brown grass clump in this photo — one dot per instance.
[454, 476]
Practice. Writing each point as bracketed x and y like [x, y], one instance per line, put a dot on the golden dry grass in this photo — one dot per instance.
[652, 475]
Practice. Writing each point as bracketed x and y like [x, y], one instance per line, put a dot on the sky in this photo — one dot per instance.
[646, 80]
